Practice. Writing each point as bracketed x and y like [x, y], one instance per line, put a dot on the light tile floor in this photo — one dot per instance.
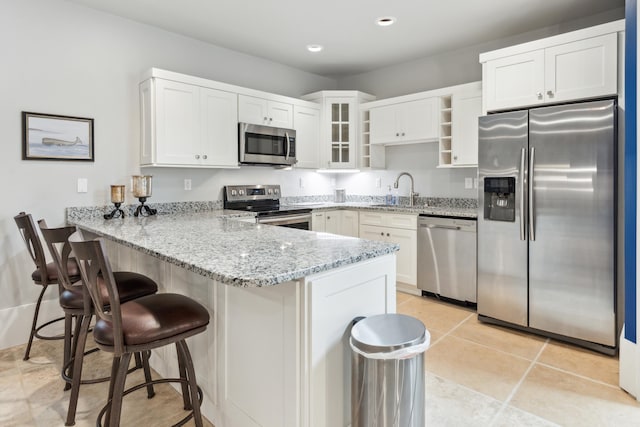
[486, 375]
[476, 375]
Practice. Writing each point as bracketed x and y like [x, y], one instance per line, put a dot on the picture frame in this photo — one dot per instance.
[55, 137]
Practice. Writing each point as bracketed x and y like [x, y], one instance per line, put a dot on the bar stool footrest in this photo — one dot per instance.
[49, 337]
[68, 379]
[137, 387]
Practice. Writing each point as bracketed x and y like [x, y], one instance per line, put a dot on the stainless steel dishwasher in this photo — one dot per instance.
[447, 257]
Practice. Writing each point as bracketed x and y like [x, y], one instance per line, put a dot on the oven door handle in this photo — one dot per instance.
[283, 220]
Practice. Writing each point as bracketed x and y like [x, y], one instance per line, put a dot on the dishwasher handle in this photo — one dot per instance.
[448, 227]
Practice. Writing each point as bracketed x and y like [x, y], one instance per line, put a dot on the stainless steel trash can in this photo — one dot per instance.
[387, 371]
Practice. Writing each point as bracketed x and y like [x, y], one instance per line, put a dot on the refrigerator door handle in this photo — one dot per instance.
[523, 154]
[532, 224]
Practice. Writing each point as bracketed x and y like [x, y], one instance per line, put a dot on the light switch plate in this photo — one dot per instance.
[187, 184]
[468, 183]
[83, 185]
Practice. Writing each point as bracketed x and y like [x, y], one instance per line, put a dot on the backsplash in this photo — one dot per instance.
[444, 202]
[162, 208]
[75, 213]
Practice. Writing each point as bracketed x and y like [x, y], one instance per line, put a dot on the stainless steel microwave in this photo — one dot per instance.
[266, 145]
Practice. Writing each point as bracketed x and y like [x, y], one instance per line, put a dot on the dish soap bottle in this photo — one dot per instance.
[388, 199]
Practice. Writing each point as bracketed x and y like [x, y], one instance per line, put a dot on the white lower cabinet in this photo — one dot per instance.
[395, 228]
[349, 223]
[318, 222]
[342, 222]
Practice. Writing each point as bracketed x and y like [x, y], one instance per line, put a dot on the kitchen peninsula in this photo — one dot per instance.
[281, 302]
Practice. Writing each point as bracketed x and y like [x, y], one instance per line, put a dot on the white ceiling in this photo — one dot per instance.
[279, 30]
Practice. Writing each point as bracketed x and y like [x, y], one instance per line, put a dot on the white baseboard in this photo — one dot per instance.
[16, 322]
[629, 366]
[408, 289]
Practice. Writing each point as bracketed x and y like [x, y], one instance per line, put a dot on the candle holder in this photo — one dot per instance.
[142, 190]
[117, 198]
[143, 209]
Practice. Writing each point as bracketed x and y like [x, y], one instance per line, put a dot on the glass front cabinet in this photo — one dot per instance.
[339, 127]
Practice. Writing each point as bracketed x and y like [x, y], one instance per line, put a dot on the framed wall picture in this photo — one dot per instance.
[51, 137]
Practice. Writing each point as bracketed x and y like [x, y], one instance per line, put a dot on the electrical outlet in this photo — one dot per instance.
[83, 185]
[378, 183]
[468, 183]
[187, 184]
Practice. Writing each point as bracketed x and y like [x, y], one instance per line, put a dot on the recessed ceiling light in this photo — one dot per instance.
[385, 21]
[314, 47]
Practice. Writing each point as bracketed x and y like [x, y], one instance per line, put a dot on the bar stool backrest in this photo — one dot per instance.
[30, 236]
[57, 240]
[95, 268]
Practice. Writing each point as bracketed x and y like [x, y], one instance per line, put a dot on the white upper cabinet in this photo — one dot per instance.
[515, 81]
[578, 65]
[306, 122]
[583, 69]
[266, 112]
[219, 127]
[466, 107]
[406, 122]
[187, 125]
[339, 129]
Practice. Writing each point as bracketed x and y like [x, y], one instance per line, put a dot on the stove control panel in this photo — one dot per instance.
[238, 193]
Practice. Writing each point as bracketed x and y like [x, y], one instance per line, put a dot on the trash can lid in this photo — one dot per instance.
[387, 332]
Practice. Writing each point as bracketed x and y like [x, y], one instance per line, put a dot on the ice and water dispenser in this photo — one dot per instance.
[500, 198]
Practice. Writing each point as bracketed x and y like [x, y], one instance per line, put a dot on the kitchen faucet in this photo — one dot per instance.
[412, 194]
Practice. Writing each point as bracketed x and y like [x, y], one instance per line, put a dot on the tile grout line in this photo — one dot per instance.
[451, 330]
[505, 404]
[575, 374]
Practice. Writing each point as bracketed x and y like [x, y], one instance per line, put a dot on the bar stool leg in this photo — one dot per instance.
[183, 375]
[147, 372]
[68, 323]
[113, 415]
[77, 369]
[34, 324]
[193, 386]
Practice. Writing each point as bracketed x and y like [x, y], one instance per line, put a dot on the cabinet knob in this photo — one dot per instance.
[539, 95]
[197, 156]
[381, 233]
[328, 217]
[455, 157]
[204, 156]
[397, 134]
[270, 119]
[265, 118]
[387, 234]
[550, 93]
[402, 133]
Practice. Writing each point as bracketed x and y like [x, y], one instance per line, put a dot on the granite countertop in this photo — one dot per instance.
[215, 244]
[448, 211]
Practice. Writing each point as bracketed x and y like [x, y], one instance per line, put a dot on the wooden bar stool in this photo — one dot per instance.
[138, 326]
[44, 275]
[76, 304]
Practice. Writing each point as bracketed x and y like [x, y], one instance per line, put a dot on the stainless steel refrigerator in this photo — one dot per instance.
[546, 221]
